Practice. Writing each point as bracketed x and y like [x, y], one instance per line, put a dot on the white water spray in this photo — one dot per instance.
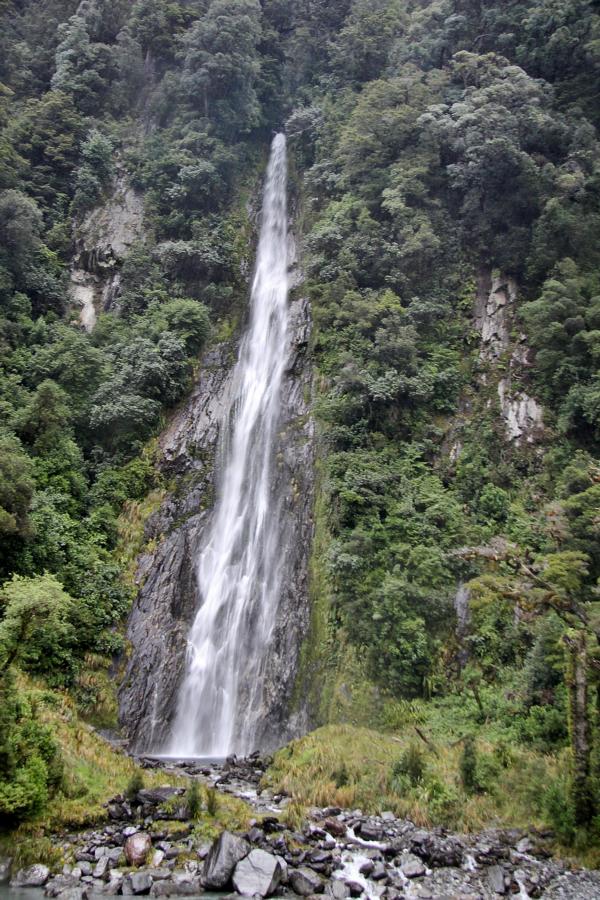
[239, 567]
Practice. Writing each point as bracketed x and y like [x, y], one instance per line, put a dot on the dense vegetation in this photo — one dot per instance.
[435, 144]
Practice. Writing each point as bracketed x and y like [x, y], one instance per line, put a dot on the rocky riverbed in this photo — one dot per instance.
[336, 853]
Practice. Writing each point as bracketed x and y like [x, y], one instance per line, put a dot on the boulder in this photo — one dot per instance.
[305, 882]
[369, 831]
[338, 889]
[136, 883]
[335, 827]
[224, 855]
[437, 851]
[102, 868]
[75, 893]
[170, 889]
[5, 864]
[33, 876]
[58, 886]
[495, 877]
[411, 866]
[258, 873]
[137, 847]
[155, 796]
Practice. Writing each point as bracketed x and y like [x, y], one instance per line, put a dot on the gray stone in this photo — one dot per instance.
[226, 852]
[137, 847]
[305, 882]
[102, 868]
[170, 889]
[85, 867]
[33, 876]
[137, 883]
[258, 873]
[495, 877]
[338, 889]
[379, 872]
[57, 886]
[5, 864]
[79, 892]
[411, 866]
[158, 874]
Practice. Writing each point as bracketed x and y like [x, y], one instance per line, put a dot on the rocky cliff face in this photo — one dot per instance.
[168, 599]
[494, 317]
[103, 239]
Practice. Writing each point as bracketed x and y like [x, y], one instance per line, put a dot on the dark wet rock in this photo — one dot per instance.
[137, 847]
[354, 888]
[437, 851]
[379, 872]
[305, 882]
[156, 796]
[335, 827]
[258, 873]
[256, 835]
[167, 600]
[369, 831]
[226, 852]
[367, 868]
[33, 876]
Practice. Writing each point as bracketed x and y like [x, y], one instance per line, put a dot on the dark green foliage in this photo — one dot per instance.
[30, 764]
[468, 766]
[212, 801]
[341, 776]
[134, 786]
[193, 800]
[411, 765]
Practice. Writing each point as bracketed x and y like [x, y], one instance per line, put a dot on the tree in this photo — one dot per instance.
[221, 64]
[16, 487]
[35, 631]
[186, 319]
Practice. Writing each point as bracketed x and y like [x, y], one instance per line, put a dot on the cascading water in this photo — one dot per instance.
[239, 568]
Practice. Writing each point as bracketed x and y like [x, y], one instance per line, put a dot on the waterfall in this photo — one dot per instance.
[238, 570]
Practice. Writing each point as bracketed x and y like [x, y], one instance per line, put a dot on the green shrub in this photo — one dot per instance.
[134, 785]
[212, 801]
[468, 766]
[341, 776]
[558, 805]
[193, 800]
[443, 800]
[411, 765]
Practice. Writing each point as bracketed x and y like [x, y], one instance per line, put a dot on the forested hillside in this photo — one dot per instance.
[446, 196]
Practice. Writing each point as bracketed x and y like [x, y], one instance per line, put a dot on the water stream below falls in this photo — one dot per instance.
[239, 568]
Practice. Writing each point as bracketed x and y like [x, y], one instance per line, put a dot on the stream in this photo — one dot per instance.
[337, 853]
